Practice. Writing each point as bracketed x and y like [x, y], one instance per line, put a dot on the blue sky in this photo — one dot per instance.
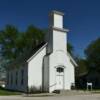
[82, 17]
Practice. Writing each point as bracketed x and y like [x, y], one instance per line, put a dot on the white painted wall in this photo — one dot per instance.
[35, 70]
[59, 40]
[60, 58]
[59, 55]
[58, 21]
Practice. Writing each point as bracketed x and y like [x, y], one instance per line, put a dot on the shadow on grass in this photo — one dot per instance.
[4, 92]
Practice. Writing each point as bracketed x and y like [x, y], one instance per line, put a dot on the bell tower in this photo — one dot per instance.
[56, 19]
[56, 36]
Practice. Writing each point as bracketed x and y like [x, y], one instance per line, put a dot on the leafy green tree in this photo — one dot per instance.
[34, 36]
[93, 55]
[70, 48]
[82, 68]
[8, 38]
[14, 43]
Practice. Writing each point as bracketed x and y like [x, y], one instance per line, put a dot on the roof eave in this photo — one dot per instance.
[37, 52]
[73, 61]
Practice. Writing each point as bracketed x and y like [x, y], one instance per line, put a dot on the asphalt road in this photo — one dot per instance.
[64, 97]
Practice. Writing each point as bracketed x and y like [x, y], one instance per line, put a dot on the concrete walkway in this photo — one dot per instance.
[56, 97]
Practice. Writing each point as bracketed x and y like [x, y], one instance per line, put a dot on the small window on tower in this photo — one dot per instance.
[60, 69]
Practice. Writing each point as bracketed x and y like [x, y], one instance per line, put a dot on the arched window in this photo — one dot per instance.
[60, 69]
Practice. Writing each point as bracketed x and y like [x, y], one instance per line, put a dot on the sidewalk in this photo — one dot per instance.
[39, 95]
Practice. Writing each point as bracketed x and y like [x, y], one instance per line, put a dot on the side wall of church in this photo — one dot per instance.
[35, 66]
[17, 78]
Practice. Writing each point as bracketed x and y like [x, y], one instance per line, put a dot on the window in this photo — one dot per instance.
[60, 69]
[8, 78]
[16, 78]
[11, 79]
[22, 77]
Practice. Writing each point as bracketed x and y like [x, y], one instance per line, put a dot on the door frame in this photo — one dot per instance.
[61, 66]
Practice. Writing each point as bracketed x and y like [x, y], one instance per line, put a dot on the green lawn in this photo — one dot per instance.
[8, 92]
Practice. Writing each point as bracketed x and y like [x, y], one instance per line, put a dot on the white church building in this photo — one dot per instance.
[50, 68]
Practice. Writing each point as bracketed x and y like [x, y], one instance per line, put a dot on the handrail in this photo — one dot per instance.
[53, 85]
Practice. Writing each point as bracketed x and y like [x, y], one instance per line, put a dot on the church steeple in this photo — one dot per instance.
[56, 36]
[56, 19]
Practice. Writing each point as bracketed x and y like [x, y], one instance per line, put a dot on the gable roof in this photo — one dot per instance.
[26, 56]
[39, 50]
[72, 60]
[70, 57]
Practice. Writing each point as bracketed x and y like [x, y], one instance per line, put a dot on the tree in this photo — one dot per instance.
[8, 38]
[82, 68]
[14, 43]
[93, 55]
[89, 68]
[34, 36]
[81, 73]
[70, 48]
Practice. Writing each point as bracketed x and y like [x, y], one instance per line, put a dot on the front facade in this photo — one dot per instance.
[51, 67]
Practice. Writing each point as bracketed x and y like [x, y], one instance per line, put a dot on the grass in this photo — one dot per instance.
[93, 90]
[4, 92]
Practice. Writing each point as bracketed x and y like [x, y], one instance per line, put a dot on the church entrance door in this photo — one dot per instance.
[59, 78]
